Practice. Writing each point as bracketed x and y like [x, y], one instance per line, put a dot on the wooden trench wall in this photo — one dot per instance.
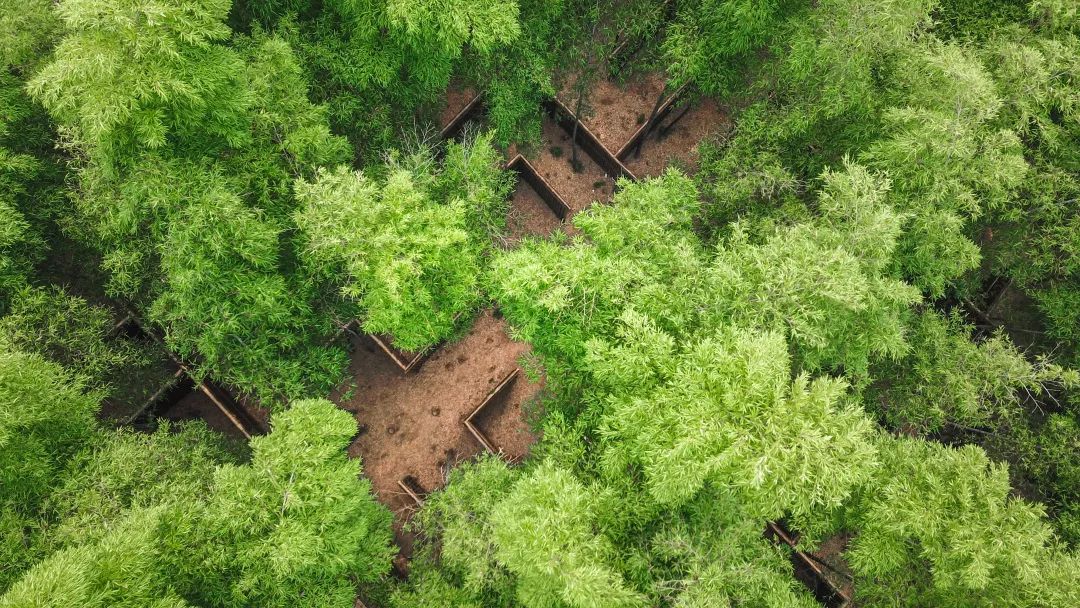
[183, 383]
[527, 173]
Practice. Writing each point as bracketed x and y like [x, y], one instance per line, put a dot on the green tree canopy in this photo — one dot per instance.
[122, 570]
[937, 525]
[225, 304]
[46, 416]
[725, 412]
[140, 74]
[174, 519]
[408, 244]
[545, 533]
[298, 526]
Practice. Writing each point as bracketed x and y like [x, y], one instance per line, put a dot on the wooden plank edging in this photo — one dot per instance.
[405, 365]
[588, 141]
[413, 490]
[233, 411]
[471, 110]
[832, 596]
[468, 422]
[525, 170]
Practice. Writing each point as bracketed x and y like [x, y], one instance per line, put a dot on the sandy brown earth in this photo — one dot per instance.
[552, 161]
[412, 424]
[680, 145]
[529, 215]
[503, 421]
[618, 110]
[456, 100]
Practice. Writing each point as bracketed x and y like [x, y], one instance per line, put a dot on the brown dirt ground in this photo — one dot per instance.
[456, 100]
[250, 404]
[618, 111]
[831, 552]
[412, 424]
[196, 405]
[503, 421]
[576, 188]
[529, 215]
[680, 145]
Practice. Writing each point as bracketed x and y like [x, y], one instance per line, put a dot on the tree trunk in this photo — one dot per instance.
[664, 130]
[574, 162]
[660, 99]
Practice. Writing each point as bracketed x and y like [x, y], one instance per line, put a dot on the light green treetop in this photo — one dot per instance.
[408, 260]
[823, 283]
[939, 526]
[298, 526]
[725, 411]
[45, 417]
[406, 246]
[130, 74]
[122, 570]
[546, 535]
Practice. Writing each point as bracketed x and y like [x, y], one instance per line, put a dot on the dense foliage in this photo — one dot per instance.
[857, 312]
[409, 244]
[117, 518]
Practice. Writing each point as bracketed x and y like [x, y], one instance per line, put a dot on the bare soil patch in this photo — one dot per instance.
[456, 100]
[529, 215]
[679, 146]
[618, 111]
[412, 425]
[552, 161]
[503, 420]
[249, 405]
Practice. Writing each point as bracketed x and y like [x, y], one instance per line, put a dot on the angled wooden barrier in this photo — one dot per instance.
[584, 137]
[495, 392]
[170, 393]
[412, 489]
[238, 415]
[405, 360]
[527, 173]
[183, 384]
[808, 571]
[472, 111]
